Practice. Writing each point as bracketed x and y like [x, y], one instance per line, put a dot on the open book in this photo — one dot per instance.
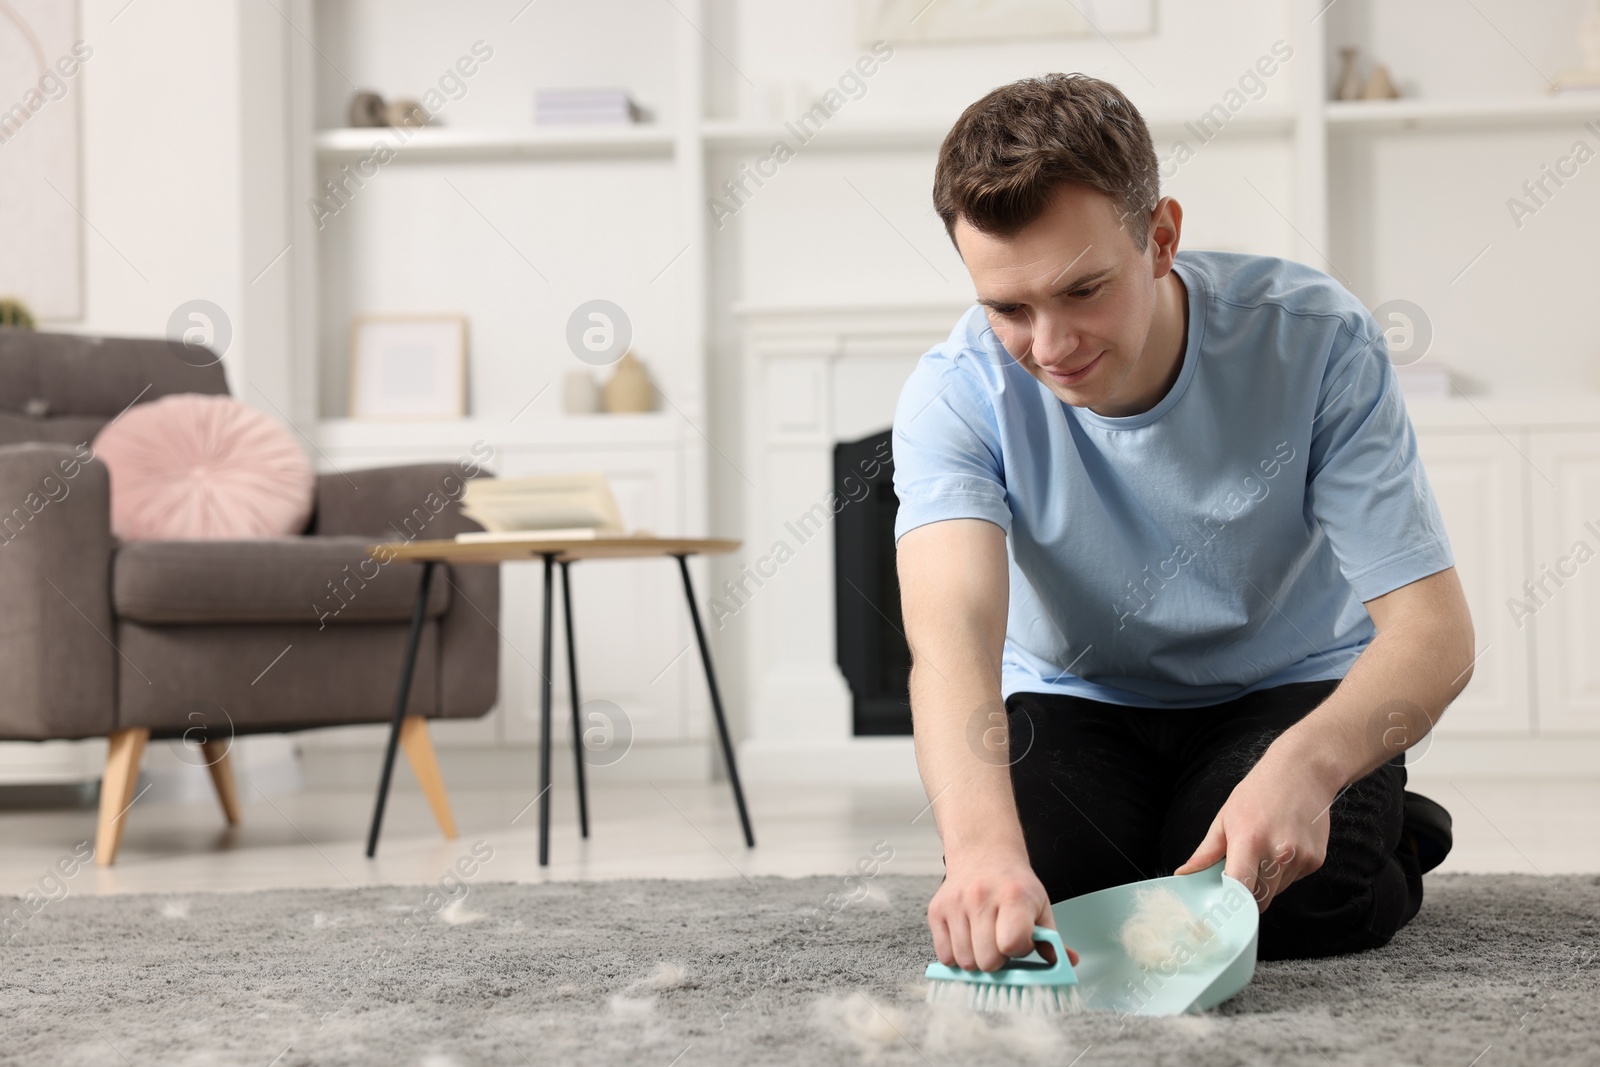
[545, 507]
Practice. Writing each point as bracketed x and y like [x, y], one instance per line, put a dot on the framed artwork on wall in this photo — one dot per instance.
[408, 367]
[966, 21]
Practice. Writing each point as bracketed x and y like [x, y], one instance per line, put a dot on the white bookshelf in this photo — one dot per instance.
[515, 225]
[736, 135]
[700, 144]
[451, 143]
[928, 133]
[1388, 115]
[444, 143]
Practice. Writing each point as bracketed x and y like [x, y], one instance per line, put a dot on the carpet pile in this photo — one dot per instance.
[1497, 969]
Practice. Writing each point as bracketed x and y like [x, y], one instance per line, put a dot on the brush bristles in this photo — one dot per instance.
[1021, 1000]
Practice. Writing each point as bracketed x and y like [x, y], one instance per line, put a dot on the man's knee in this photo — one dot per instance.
[1332, 912]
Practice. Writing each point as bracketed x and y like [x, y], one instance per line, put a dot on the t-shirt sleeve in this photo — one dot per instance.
[1367, 489]
[947, 457]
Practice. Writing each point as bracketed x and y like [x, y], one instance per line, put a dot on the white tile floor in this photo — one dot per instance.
[673, 830]
[670, 830]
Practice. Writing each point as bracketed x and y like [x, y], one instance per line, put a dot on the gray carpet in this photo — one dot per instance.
[726, 972]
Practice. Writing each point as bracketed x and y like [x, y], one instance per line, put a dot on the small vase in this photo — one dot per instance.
[629, 389]
[1350, 78]
[580, 393]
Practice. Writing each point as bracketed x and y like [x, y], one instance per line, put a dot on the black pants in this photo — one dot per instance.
[1109, 794]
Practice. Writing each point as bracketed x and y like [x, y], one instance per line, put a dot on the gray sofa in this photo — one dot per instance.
[211, 639]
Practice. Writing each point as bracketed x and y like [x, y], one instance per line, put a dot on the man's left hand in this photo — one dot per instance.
[1273, 830]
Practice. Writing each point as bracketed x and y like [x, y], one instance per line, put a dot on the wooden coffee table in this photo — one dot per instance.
[431, 553]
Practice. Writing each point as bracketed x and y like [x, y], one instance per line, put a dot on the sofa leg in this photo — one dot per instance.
[418, 746]
[217, 761]
[125, 750]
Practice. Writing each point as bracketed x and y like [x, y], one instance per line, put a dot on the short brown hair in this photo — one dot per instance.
[1007, 154]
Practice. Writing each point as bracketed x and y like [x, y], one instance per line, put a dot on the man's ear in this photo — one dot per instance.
[1166, 225]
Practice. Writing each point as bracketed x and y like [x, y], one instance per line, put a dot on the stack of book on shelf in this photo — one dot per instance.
[551, 507]
[566, 106]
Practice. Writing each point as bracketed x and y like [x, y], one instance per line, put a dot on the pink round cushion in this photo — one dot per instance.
[192, 467]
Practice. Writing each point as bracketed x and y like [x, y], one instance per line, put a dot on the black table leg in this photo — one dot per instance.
[545, 694]
[572, 680]
[407, 668]
[716, 703]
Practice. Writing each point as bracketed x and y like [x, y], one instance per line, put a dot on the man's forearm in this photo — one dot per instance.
[1393, 695]
[954, 594]
[962, 754]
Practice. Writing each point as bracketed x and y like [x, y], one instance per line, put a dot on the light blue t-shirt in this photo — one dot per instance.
[1221, 542]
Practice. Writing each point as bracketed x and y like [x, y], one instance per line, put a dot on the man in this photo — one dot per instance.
[1162, 524]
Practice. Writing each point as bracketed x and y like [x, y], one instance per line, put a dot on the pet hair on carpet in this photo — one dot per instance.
[626, 1007]
[877, 1028]
[875, 897]
[666, 976]
[455, 913]
[866, 1021]
[638, 999]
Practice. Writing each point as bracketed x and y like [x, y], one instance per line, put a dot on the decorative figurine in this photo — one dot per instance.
[1350, 80]
[408, 114]
[1380, 86]
[368, 109]
[629, 389]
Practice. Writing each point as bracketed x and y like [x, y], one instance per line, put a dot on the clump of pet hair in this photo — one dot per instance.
[1163, 933]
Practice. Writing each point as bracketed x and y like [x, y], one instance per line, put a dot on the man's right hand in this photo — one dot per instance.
[986, 910]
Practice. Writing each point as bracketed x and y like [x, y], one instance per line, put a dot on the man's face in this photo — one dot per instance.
[1071, 298]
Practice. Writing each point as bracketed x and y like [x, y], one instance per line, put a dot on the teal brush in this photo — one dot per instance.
[1029, 984]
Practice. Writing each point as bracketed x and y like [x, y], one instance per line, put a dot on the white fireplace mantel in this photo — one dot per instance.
[814, 376]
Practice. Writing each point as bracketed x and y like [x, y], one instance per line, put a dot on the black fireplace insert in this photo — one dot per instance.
[872, 649]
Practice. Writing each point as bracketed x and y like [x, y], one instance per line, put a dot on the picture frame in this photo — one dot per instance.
[408, 367]
[968, 21]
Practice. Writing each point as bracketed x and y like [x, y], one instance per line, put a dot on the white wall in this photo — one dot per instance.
[185, 143]
[161, 160]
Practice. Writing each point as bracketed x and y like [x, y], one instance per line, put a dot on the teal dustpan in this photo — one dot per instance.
[1202, 972]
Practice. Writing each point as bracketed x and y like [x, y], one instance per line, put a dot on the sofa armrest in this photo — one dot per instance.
[416, 502]
[422, 502]
[56, 631]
